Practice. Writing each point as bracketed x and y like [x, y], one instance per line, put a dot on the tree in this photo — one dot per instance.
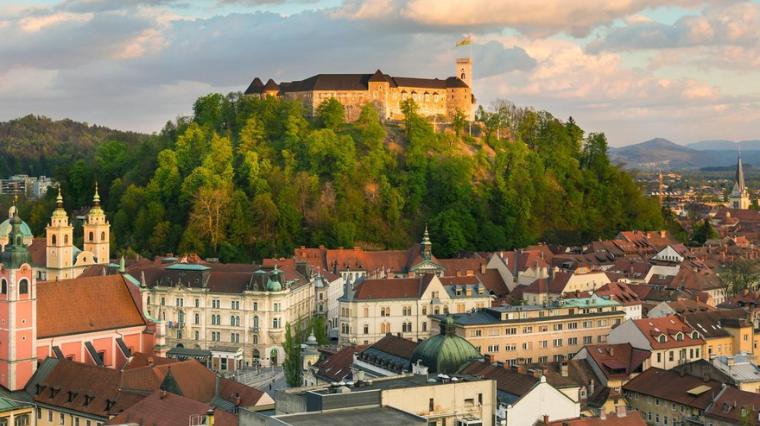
[703, 231]
[458, 122]
[293, 365]
[331, 114]
[743, 274]
[209, 216]
[319, 328]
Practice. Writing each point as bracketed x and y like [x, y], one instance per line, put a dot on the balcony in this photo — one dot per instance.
[254, 329]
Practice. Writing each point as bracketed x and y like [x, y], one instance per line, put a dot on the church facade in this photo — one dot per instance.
[739, 197]
[93, 320]
[434, 97]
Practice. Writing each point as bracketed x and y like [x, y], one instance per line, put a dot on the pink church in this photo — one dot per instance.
[93, 320]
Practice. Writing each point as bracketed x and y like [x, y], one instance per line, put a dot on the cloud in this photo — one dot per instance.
[36, 23]
[530, 17]
[137, 67]
[736, 24]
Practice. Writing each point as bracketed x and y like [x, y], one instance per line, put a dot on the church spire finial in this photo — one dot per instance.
[59, 198]
[96, 197]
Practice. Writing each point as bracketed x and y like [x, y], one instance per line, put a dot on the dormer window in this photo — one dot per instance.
[662, 338]
[679, 336]
[694, 335]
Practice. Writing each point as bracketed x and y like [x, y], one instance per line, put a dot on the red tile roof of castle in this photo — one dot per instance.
[84, 305]
[168, 409]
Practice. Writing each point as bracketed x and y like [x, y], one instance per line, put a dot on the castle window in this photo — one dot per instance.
[23, 287]
[92, 236]
[436, 98]
[53, 239]
[102, 236]
[4, 287]
[427, 97]
[66, 238]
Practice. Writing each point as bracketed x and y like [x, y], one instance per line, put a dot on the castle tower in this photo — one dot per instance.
[739, 197]
[96, 231]
[60, 243]
[18, 312]
[464, 70]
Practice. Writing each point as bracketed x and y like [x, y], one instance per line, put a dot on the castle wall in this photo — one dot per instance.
[431, 102]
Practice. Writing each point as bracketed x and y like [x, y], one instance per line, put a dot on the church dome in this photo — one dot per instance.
[274, 285]
[445, 353]
[5, 227]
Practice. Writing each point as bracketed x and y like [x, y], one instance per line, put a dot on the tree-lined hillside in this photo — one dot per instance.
[246, 178]
[37, 145]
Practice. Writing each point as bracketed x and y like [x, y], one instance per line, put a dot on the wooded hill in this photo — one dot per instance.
[246, 178]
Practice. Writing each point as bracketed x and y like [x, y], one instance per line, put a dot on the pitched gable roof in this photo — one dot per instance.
[618, 360]
[84, 305]
[670, 326]
[169, 409]
[672, 386]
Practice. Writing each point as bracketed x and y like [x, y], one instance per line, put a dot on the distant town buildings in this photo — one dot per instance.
[25, 185]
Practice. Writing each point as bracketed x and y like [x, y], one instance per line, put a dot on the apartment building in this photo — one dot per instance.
[238, 312]
[401, 306]
[671, 341]
[538, 333]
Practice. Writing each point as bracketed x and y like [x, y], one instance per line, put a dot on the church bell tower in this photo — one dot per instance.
[97, 231]
[60, 244]
[18, 311]
[739, 197]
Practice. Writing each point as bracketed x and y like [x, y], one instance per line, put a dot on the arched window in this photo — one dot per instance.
[92, 235]
[23, 287]
[4, 287]
[103, 236]
[427, 97]
[436, 97]
[256, 321]
[65, 238]
[53, 239]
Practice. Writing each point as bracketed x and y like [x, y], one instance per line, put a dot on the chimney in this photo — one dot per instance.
[210, 417]
[150, 361]
[488, 358]
[612, 351]
[590, 387]
[163, 393]
[620, 410]
[482, 268]
[602, 414]
[546, 419]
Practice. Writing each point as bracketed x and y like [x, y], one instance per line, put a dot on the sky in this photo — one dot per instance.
[685, 70]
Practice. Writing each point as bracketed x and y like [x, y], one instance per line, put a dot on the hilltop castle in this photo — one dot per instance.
[434, 97]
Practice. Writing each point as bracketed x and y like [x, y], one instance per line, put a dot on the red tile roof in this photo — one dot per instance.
[168, 409]
[337, 367]
[395, 345]
[84, 305]
[734, 406]
[672, 386]
[631, 418]
[670, 326]
[507, 379]
[618, 360]
[620, 292]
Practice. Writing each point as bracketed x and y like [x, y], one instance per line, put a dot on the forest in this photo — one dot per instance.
[247, 178]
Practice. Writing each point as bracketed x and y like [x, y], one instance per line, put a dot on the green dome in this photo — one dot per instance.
[5, 229]
[445, 353]
[16, 253]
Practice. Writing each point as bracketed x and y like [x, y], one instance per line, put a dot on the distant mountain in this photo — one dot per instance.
[656, 154]
[37, 145]
[725, 145]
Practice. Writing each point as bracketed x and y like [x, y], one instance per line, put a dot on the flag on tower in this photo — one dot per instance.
[465, 41]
